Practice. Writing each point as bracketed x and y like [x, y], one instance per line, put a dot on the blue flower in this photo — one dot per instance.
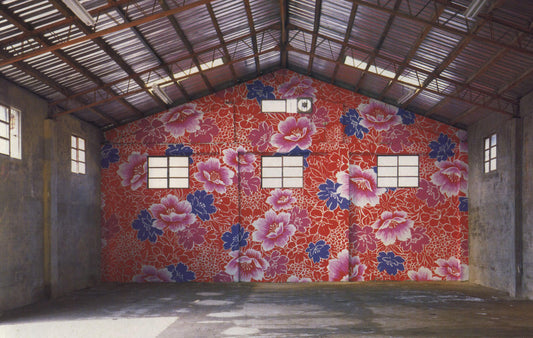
[463, 203]
[109, 155]
[257, 90]
[352, 126]
[181, 273]
[390, 263]
[318, 251]
[236, 238]
[144, 227]
[202, 204]
[407, 117]
[328, 192]
[297, 151]
[442, 148]
[179, 150]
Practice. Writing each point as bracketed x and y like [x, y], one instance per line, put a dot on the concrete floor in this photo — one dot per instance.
[275, 310]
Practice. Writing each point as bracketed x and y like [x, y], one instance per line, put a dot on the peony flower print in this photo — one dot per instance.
[181, 273]
[249, 183]
[452, 269]
[407, 117]
[152, 274]
[352, 124]
[329, 192]
[223, 277]
[150, 132]
[293, 133]
[108, 155]
[281, 199]
[418, 240]
[320, 117]
[441, 149]
[452, 177]
[318, 251]
[205, 134]
[277, 264]
[257, 90]
[239, 159]
[423, 274]
[172, 214]
[297, 87]
[261, 136]
[179, 150]
[144, 225]
[182, 119]
[463, 204]
[192, 235]
[202, 204]
[247, 265]
[235, 239]
[273, 230]
[362, 238]
[345, 268]
[430, 193]
[379, 116]
[397, 137]
[360, 186]
[393, 226]
[295, 279]
[390, 263]
[214, 176]
[134, 172]
[300, 219]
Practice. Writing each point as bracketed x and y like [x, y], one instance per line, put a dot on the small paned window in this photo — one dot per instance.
[10, 142]
[397, 171]
[168, 172]
[77, 155]
[490, 154]
[282, 171]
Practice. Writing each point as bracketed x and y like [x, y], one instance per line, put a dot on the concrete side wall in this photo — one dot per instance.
[492, 206]
[40, 199]
[526, 105]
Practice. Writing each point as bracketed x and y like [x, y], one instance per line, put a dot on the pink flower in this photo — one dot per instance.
[277, 264]
[430, 193]
[452, 177]
[345, 268]
[320, 117]
[110, 227]
[297, 87]
[213, 176]
[223, 277]
[247, 265]
[239, 159]
[379, 116]
[452, 269]
[396, 137]
[133, 172]
[295, 279]
[273, 230]
[261, 137]
[191, 235]
[184, 118]
[205, 134]
[293, 133]
[300, 219]
[172, 214]
[423, 274]
[151, 274]
[281, 199]
[417, 241]
[393, 226]
[249, 183]
[362, 238]
[361, 186]
[150, 132]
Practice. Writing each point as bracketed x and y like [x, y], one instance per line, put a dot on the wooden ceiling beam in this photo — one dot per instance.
[284, 32]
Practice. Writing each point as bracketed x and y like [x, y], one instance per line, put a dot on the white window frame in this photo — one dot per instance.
[168, 172]
[10, 129]
[398, 171]
[78, 161]
[490, 153]
[282, 172]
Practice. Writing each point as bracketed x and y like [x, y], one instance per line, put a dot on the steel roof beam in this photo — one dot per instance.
[347, 35]
[254, 35]
[316, 26]
[221, 40]
[284, 32]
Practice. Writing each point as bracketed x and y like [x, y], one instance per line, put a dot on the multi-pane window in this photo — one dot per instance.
[282, 172]
[399, 171]
[10, 142]
[490, 154]
[168, 172]
[77, 155]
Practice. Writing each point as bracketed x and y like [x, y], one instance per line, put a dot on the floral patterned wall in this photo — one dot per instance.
[339, 227]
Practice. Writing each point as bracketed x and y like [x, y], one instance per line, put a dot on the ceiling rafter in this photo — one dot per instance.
[284, 32]
[316, 26]
[187, 44]
[347, 35]
[221, 40]
[254, 35]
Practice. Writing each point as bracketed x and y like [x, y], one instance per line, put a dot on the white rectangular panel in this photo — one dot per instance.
[271, 161]
[273, 106]
[178, 183]
[387, 182]
[157, 162]
[408, 181]
[387, 160]
[157, 183]
[271, 182]
[178, 161]
[408, 160]
[293, 182]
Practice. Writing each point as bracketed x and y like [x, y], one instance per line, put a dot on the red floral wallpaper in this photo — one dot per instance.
[339, 227]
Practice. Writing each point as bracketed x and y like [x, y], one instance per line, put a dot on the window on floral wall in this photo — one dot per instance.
[10, 142]
[168, 172]
[282, 172]
[77, 157]
[490, 153]
[397, 171]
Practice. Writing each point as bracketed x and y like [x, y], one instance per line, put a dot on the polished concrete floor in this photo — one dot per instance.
[397, 309]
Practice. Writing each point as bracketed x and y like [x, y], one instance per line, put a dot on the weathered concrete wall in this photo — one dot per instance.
[526, 107]
[40, 199]
[492, 206]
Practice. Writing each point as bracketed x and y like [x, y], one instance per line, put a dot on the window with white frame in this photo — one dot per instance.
[168, 172]
[77, 155]
[490, 153]
[10, 141]
[282, 171]
[398, 171]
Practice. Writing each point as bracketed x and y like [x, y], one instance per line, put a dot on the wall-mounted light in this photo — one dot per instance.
[80, 12]
[157, 91]
[474, 8]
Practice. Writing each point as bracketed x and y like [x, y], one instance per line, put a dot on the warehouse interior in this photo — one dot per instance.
[80, 80]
